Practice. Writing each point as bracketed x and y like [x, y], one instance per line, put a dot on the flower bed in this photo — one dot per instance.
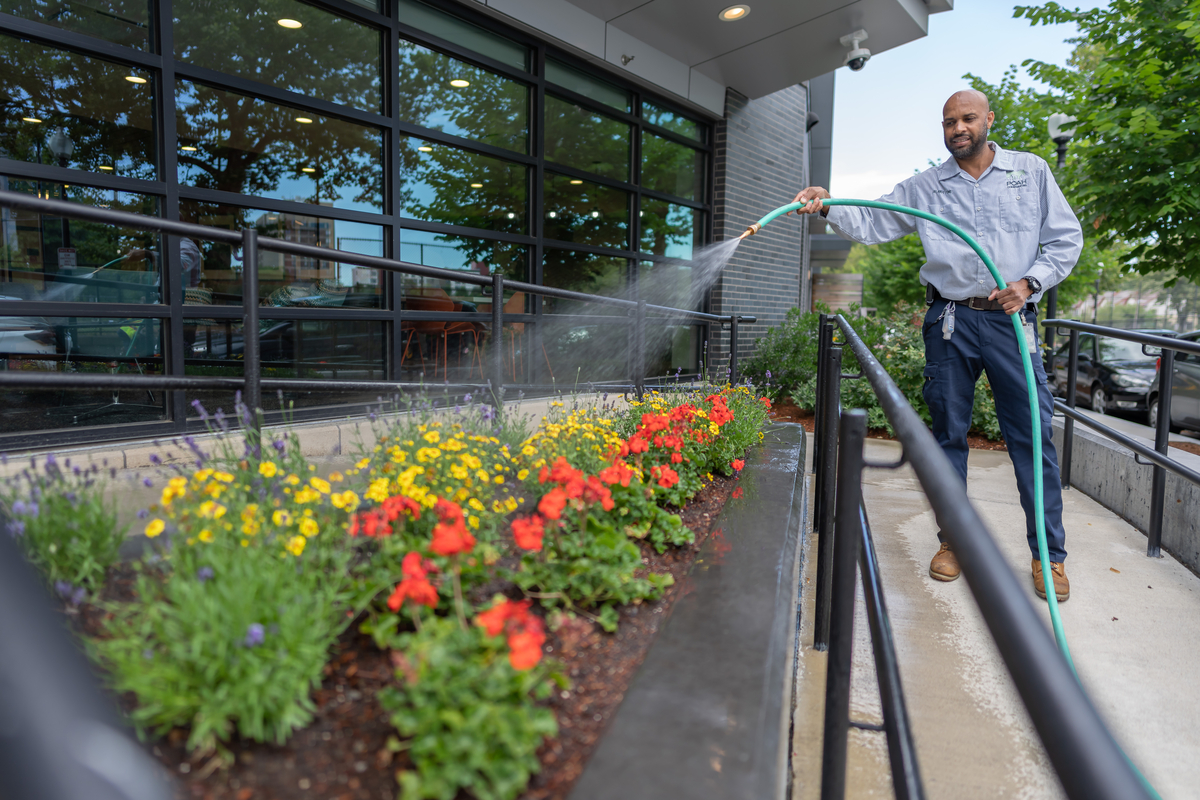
[463, 548]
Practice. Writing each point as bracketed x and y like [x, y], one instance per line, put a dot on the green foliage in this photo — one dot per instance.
[63, 523]
[470, 720]
[232, 638]
[789, 352]
[1134, 87]
[891, 272]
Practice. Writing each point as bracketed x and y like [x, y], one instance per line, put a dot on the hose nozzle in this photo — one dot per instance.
[750, 231]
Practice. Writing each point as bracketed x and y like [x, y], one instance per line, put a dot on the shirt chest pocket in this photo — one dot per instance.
[949, 211]
[1019, 212]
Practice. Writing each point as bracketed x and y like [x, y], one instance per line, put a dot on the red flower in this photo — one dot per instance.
[737, 493]
[638, 445]
[552, 503]
[492, 620]
[526, 632]
[450, 536]
[394, 506]
[596, 492]
[369, 523]
[766, 401]
[619, 472]
[666, 476]
[528, 532]
[415, 586]
[738, 464]
[525, 646]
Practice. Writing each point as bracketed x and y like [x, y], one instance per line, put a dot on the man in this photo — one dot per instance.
[1009, 203]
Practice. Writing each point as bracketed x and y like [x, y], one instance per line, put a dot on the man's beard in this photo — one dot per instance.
[969, 150]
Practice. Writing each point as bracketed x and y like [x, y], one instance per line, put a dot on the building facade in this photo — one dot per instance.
[480, 137]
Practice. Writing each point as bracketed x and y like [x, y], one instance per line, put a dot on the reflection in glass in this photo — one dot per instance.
[69, 110]
[584, 272]
[329, 350]
[578, 352]
[588, 86]
[466, 254]
[287, 280]
[585, 213]
[671, 284]
[463, 33]
[672, 168]
[236, 143]
[446, 184]
[672, 121]
[452, 96]
[56, 259]
[670, 230]
[671, 350]
[587, 140]
[79, 345]
[327, 56]
[123, 22]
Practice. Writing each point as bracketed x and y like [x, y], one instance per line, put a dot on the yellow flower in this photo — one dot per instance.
[713, 428]
[362, 463]
[223, 477]
[249, 512]
[497, 507]
[155, 527]
[320, 485]
[210, 509]
[281, 518]
[475, 504]
[309, 527]
[347, 500]
[202, 475]
[205, 536]
[483, 476]
[378, 491]
[523, 474]
[426, 454]
[336, 477]
[267, 469]
[295, 545]
[433, 437]
[499, 479]
[292, 479]
[306, 495]
[511, 504]
[473, 521]
[459, 472]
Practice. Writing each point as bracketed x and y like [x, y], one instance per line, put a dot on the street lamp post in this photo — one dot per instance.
[1061, 130]
[62, 147]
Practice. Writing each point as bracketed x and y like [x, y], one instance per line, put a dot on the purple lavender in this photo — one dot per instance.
[255, 634]
[73, 595]
[204, 574]
[196, 404]
[279, 446]
[149, 484]
[15, 528]
[142, 513]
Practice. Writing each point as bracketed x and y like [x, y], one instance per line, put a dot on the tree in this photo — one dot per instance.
[890, 272]
[1136, 175]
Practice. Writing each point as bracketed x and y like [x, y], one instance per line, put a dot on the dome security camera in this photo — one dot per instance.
[858, 56]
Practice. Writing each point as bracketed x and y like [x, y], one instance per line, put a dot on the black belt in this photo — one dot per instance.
[976, 303]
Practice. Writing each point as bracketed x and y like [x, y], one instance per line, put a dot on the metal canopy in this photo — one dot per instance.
[778, 44]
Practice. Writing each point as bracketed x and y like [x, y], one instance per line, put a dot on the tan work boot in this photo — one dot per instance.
[1062, 586]
[944, 566]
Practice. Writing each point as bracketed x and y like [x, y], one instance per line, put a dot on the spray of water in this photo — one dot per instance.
[579, 351]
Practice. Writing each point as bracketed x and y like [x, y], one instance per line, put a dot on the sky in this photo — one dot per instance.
[886, 118]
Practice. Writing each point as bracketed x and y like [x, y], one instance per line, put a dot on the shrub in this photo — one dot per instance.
[63, 524]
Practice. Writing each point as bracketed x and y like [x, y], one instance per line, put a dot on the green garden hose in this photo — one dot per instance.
[1060, 635]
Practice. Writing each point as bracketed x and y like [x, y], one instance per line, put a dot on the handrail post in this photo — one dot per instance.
[251, 360]
[639, 347]
[828, 446]
[497, 359]
[1069, 423]
[853, 426]
[1051, 313]
[1162, 437]
[733, 348]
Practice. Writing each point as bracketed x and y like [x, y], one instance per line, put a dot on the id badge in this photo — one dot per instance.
[1030, 336]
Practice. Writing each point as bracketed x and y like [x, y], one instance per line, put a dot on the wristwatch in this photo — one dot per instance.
[1035, 285]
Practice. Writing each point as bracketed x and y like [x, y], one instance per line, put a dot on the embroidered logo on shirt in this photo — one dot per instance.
[941, 191]
[1016, 179]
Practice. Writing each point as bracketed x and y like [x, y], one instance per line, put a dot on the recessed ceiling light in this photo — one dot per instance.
[476, 185]
[576, 182]
[135, 79]
[553, 215]
[106, 168]
[459, 83]
[290, 23]
[595, 215]
[734, 13]
[188, 148]
[511, 215]
[308, 169]
[305, 120]
[425, 148]
[30, 119]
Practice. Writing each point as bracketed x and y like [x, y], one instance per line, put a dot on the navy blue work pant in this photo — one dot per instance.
[987, 341]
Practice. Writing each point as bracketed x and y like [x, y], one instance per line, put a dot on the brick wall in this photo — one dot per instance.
[760, 164]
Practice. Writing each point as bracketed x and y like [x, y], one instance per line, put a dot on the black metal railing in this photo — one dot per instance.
[252, 383]
[1084, 754]
[1157, 457]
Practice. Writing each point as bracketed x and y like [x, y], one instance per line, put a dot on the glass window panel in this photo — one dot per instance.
[371, 4]
[463, 33]
[586, 139]
[73, 111]
[440, 183]
[284, 43]
[671, 350]
[670, 230]
[465, 254]
[456, 350]
[585, 213]
[670, 283]
[80, 345]
[237, 143]
[584, 272]
[579, 352]
[672, 168]
[332, 350]
[673, 121]
[452, 96]
[287, 280]
[64, 260]
[588, 86]
[123, 22]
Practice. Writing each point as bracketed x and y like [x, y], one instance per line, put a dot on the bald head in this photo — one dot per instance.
[966, 119]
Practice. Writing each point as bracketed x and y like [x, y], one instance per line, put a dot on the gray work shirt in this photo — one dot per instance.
[1015, 211]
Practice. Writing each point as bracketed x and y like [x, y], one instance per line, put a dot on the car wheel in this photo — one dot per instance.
[1099, 400]
[1152, 415]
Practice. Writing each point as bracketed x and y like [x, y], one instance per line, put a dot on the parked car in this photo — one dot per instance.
[1113, 374]
[1185, 390]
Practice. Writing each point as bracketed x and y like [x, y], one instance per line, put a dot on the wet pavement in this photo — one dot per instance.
[1133, 624]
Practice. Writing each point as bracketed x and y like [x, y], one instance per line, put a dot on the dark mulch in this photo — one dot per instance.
[786, 411]
[342, 755]
[1190, 447]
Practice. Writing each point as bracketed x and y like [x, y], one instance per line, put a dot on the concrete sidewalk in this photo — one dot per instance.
[1133, 624]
